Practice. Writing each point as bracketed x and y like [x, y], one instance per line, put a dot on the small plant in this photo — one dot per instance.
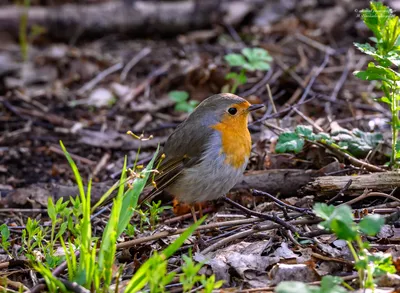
[155, 209]
[94, 269]
[249, 60]
[144, 219]
[329, 284]
[340, 221]
[190, 272]
[182, 101]
[355, 142]
[190, 276]
[53, 211]
[32, 236]
[5, 234]
[385, 51]
[130, 230]
[26, 37]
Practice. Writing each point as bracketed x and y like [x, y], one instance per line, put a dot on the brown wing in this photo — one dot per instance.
[183, 149]
[167, 175]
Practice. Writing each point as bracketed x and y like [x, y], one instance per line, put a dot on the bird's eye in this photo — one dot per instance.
[232, 111]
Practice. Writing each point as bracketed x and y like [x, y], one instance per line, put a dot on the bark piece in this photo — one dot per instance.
[328, 185]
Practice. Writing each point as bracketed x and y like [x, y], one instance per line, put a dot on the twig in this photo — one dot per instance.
[309, 120]
[256, 192]
[273, 218]
[312, 80]
[14, 210]
[341, 192]
[180, 231]
[135, 60]
[227, 233]
[101, 164]
[275, 115]
[83, 160]
[52, 118]
[341, 81]
[234, 34]
[92, 83]
[258, 85]
[368, 193]
[354, 161]
[271, 100]
[315, 44]
[327, 258]
[73, 286]
[185, 216]
[254, 229]
[385, 205]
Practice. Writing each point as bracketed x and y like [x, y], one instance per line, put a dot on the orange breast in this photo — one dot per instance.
[235, 138]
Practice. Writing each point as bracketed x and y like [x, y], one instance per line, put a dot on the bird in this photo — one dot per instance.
[206, 155]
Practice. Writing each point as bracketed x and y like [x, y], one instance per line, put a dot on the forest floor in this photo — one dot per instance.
[90, 93]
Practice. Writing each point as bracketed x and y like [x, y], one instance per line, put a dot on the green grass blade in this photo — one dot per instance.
[51, 281]
[106, 195]
[140, 279]
[109, 239]
[85, 260]
[132, 195]
[75, 170]
[68, 259]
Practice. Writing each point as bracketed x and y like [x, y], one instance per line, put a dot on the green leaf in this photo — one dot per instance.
[383, 263]
[5, 233]
[397, 147]
[258, 59]
[337, 219]
[289, 142]
[51, 209]
[357, 142]
[344, 230]
[330, 284]
[323, 210]
[305, 131]
[257, 65]
[385, 100]
[293, 287]
[324, 137]
[367, 49]
[232, 75]
[178, 96]
[256, 54]
[377, 72]
[242, 79]
[371, 224]
[184, 107]
[62, 229]
[132, 195]
[235, 59]
[376, 17]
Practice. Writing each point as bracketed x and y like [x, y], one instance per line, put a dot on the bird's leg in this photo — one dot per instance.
[200, 210]
[193, 211]
[200, 240]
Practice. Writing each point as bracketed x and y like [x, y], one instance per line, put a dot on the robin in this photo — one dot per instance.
[207, 154]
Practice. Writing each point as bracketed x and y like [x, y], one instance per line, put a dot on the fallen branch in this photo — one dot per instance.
[141, 18]
[328, 185]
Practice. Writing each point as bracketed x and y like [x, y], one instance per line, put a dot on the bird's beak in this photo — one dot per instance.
[255, 107]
